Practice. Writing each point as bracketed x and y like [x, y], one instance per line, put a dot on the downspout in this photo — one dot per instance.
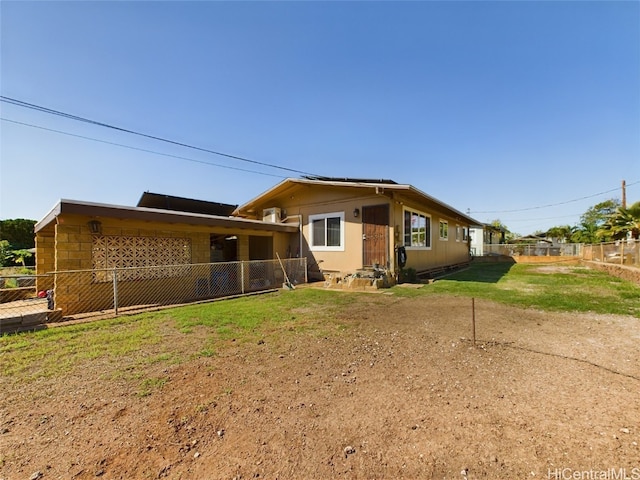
[299, 234]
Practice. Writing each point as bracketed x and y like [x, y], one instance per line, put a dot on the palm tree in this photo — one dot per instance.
[622, 222]
[562, 233]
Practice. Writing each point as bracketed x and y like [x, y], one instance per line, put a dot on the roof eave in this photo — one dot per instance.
[151, 214]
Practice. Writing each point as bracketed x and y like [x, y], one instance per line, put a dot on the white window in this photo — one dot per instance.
[444, 230]
[465, 234]
[458, 233]
[417, 229]
[327, 231]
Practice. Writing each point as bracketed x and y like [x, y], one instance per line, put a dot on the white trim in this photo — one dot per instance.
[427, 238]
[440, 222]
[324, 248]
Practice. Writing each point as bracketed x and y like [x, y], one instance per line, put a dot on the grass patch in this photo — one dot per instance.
[149, 385]
[571, 289]
[140, 341]
[137, 344]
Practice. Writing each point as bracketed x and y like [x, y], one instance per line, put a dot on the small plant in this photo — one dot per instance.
[148, 385]
[207, 352]
[408, 275]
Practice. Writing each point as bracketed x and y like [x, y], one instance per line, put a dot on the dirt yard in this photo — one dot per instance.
[399, 392]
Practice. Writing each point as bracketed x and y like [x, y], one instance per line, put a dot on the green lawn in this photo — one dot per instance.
[571, 288]
[169, 336]
[130, 346]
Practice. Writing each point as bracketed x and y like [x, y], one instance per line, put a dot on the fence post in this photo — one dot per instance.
[242, 274]
[621, 252]
[115, 291]
[304, 264]
[473, 320]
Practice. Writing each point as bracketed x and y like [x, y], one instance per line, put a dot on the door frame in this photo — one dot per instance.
[385, 262]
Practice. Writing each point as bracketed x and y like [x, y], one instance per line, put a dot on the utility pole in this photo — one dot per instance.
[624, 194]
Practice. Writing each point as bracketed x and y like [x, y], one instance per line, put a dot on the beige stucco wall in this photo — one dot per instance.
[442, 252]
[309, 200]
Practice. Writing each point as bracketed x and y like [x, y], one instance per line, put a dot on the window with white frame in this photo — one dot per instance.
[327, 231]
[417, 229]
[458, 233]
[444, 230]
[465, 234]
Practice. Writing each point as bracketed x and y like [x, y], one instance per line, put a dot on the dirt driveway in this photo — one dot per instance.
[398, 391]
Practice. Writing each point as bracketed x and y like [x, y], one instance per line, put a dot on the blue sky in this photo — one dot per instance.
[496, 107]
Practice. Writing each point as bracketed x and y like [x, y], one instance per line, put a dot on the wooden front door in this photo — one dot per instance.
[375, 235]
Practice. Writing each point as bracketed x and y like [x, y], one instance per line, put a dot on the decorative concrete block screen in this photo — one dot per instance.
[132, 253]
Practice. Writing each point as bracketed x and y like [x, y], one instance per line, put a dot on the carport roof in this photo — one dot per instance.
[98, 210]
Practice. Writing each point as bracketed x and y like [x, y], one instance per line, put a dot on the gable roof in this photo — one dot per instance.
[378, 186]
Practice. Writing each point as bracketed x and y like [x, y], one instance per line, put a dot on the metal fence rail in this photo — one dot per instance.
[623, 252]
[534, 249]
[60, 294]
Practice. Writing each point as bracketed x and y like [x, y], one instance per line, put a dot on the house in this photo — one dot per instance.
[485, 237]
[352, 224]
[93, 239]
[337, 225]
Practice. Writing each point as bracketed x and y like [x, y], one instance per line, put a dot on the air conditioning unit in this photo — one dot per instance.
[272, 215]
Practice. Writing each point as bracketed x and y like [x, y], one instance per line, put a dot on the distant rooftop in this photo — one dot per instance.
[180, 204]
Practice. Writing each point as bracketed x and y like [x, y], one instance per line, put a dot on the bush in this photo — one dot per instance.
[408, 275]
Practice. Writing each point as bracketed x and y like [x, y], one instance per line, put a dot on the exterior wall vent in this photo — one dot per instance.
[272, 215]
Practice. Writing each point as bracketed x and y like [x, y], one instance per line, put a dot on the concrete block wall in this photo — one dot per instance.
[45, 259]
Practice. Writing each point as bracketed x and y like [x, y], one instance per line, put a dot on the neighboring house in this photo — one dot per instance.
[353, 224]
[484, 237]
[494, 235]
[476, 241]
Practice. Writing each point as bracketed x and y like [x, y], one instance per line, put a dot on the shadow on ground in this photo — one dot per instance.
[486, 272]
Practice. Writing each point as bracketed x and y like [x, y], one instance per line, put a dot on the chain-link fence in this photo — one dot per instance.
[623, 252]
[38, 299]
[534, 249]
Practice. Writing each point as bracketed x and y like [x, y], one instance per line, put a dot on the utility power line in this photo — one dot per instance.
[138, 149]
[555, 204]
[540, 219]
[40, 108]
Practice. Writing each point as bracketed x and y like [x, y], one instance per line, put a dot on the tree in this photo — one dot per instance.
[5, 253]
[592, 220]
[563, 232]
[622, 222]
[18, 232]
[19, 256]
[585, 233]
[506, 234]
